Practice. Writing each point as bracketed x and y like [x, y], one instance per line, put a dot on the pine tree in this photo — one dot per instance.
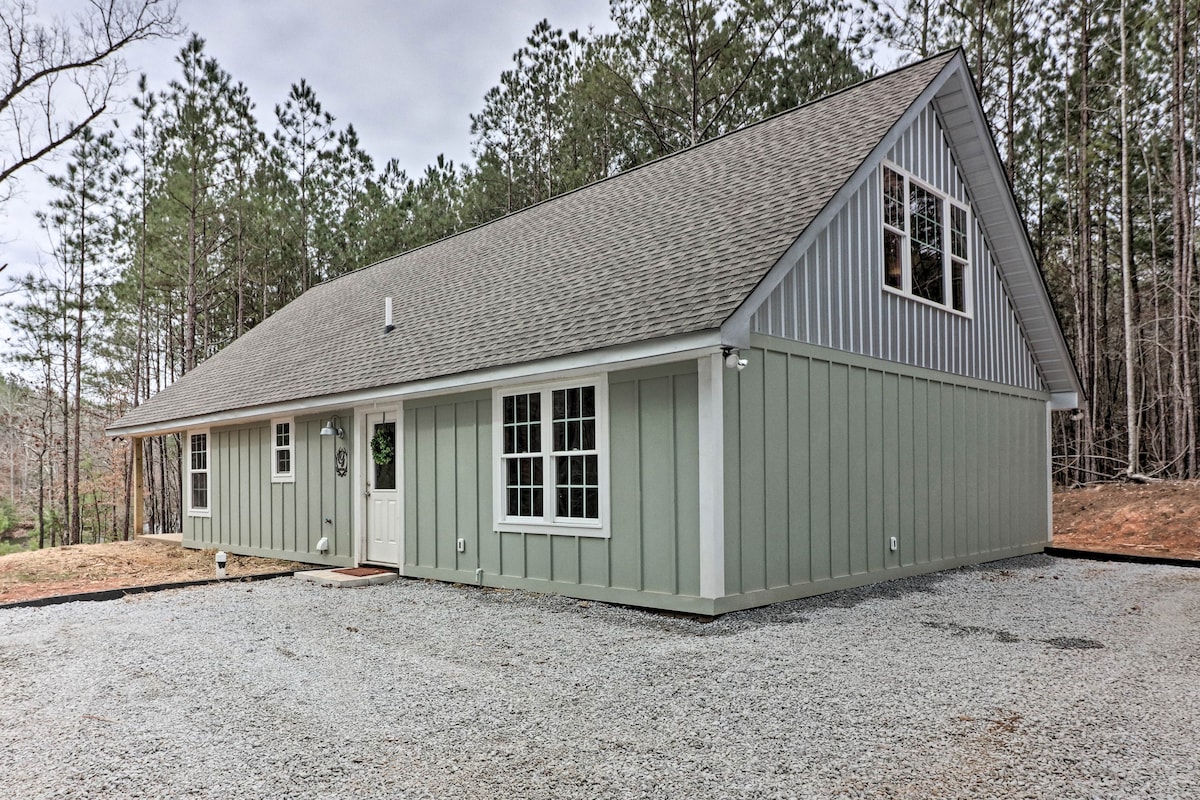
[81, 225]
[304, 142]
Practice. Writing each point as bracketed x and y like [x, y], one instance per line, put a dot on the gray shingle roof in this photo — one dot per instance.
[671, 247]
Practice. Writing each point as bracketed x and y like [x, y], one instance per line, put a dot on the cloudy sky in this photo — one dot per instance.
[406, 73]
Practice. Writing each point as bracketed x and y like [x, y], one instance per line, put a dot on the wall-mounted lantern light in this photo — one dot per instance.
[332, 428]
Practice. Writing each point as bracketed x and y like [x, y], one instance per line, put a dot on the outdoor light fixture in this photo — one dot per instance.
[733, 359]
[331, 428]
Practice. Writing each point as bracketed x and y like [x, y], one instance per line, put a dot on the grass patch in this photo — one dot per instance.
[8, 548]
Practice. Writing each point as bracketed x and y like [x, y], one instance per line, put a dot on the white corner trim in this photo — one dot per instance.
[1049, 474]
[357, 445]
[712, 476]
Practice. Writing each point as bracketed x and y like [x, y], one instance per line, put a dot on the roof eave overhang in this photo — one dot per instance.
[987, 184]
[626, 356]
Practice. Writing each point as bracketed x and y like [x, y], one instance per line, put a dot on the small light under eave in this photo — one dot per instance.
[331, 428]
[733, 358]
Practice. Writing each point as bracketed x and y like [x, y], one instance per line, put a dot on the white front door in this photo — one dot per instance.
[383, 496]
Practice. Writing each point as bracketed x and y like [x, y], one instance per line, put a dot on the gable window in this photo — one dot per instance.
[282, 451]
[551, 447]
[197, 475]
[925, 252]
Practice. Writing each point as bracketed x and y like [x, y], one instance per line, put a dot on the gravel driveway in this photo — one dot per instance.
[1033, 677]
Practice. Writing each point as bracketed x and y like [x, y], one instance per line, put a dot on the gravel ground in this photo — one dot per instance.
[1033, 677]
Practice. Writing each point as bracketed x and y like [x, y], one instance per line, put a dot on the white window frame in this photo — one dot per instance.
[548, 522]
[194, 511]
[948, 258]
[290, 475]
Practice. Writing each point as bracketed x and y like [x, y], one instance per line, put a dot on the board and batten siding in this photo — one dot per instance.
[447, 485]
[834, 296]
[652, 557]
[828, 455]
[251, 515]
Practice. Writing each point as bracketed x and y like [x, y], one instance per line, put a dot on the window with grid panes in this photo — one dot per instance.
[550, 457]
[282, 451]
[198, 493]
[925, 241]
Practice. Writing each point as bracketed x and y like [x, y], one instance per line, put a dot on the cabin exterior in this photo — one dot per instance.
[812, 354]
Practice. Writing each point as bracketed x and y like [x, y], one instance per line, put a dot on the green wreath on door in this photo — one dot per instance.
[383, 446]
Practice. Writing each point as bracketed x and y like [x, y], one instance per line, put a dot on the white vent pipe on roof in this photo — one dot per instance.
[388, 327]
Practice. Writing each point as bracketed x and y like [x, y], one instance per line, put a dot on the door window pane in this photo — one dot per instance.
[385, 473]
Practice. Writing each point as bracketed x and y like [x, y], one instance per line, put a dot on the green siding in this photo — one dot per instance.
[653, 554]
[253, 516]
[829, 455]
[447, 451]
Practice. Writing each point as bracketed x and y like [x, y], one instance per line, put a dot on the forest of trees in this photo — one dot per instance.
[175, 236]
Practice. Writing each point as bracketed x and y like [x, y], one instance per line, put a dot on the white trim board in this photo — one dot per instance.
[642, 354]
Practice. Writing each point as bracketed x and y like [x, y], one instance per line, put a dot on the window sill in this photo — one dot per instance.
[930, 303]
[283, 479]
[203, 513]
[556, 529]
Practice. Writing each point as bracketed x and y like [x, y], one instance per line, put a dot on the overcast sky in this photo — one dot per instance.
[406, 73]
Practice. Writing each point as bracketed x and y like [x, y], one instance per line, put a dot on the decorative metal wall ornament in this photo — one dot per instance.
[341, 462]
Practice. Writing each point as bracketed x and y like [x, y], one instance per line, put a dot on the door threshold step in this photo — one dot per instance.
[349, 577]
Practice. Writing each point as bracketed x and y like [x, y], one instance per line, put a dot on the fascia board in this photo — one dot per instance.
[656, 351]
[1026, 286]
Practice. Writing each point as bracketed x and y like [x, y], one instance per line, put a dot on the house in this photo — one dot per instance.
[811, 354]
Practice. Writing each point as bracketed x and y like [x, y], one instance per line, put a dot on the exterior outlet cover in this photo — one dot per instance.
[462, 545]
[895, 544]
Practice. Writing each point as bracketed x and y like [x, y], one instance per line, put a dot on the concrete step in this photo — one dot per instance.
[163, 538]
[349, 576]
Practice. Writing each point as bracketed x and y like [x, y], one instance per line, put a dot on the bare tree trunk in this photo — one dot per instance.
[1160, 382]
[1085, 304]
[1131, 405]
[43, 448]
[1181, 378]
[1189, 220]
[1010, 99]
[77, 415]
[68, 531]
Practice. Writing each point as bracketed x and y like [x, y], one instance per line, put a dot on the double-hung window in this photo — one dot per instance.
[197, 475]
[925, 242]
[551, 443]
[283, 451]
